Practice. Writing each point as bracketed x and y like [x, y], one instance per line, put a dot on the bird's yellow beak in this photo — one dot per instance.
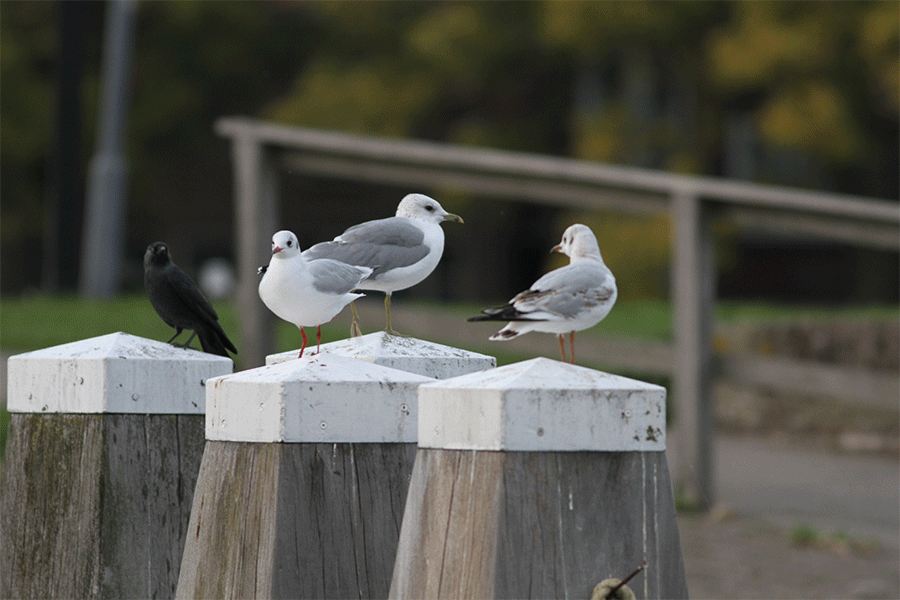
[452, 217]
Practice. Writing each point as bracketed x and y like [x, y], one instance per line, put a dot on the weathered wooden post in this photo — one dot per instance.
[405, 353]
[539, 480]
[302, 482]
[105, 441]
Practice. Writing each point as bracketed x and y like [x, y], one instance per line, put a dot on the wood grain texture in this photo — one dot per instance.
[296, 520]
[50, 515]
[537, 525]
[96, 506]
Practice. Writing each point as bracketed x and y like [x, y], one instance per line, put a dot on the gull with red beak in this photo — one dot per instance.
[565, 300]
[307, 293]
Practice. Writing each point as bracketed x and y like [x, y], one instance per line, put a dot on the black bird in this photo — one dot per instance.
[179, 302]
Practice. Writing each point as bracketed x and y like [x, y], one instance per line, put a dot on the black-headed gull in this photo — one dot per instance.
[565, 300]
[305, 292]
[401, 250]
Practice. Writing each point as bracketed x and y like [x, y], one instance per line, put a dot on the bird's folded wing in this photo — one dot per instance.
[393, 231]
[565, 292]
[191, 295]
[383, 245]
[335, 277]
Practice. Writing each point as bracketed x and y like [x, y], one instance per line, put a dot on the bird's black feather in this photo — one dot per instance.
[502, 313]
[179, 302]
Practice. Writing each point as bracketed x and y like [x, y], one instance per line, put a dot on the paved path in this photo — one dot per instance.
[792, 485]
[765, 490]
[851, 493]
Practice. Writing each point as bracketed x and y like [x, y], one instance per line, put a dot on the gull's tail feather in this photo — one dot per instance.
[498, 313]
[505, 334]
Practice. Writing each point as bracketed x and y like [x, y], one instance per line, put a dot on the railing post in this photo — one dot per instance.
[256, 216]
[539, 479]
[302, 483]
[105, 441]
[693, 295]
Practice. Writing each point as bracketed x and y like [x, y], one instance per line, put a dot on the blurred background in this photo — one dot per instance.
[801, 94]
[798, 94]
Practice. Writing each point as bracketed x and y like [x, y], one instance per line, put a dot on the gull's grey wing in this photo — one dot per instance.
[567, 291]
[334, 277]
[393, 231]
[382, 245]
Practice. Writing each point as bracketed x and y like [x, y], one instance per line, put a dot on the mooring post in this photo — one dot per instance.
[539, 479]
[303, 480]
[104, 447]
[405, 353]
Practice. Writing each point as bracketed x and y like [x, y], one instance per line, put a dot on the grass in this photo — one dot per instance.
[34, 322]
[806, 536]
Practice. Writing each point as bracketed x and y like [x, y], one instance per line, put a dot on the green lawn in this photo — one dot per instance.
[34, 322]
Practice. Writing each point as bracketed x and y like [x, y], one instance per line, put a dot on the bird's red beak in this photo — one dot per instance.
[556, 248]
[276, 250]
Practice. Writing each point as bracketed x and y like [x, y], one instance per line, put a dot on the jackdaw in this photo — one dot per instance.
[179, 302]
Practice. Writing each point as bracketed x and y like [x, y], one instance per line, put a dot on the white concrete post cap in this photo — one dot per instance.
[542, 405]
[317, 398]
[407, 354]
[114, 373]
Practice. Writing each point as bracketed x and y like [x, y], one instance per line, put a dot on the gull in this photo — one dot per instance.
[305, 292]
[565, 300]
[180, 303]
[401, 250]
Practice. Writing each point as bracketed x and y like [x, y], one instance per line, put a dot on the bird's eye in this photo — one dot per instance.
[290, 243]
[429, 207]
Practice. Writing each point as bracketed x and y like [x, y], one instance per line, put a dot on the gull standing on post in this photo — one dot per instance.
[305, 292]
[401, 250]
[565, 300]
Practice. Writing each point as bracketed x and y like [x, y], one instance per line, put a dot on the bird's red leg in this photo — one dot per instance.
[318, 338]
[562, 347]
[303, 333]
[572, 345]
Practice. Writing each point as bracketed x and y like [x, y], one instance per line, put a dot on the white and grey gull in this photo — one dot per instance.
[568, 299]
[401, 250]
[305, 292]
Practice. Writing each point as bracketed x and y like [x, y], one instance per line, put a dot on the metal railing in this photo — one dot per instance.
[260, 149]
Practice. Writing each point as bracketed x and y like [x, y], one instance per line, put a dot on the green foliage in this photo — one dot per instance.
[637, 82]
[27, 51]
[810, 64]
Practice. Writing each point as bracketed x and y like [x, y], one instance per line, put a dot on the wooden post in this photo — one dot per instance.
[693, 295]
[256, 216]
[105, 441]
[538, 480]
[303, 480]
[405, 353]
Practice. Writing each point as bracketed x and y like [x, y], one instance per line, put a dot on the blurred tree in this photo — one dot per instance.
[820, 78]
[798, 93]
[27, 52]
